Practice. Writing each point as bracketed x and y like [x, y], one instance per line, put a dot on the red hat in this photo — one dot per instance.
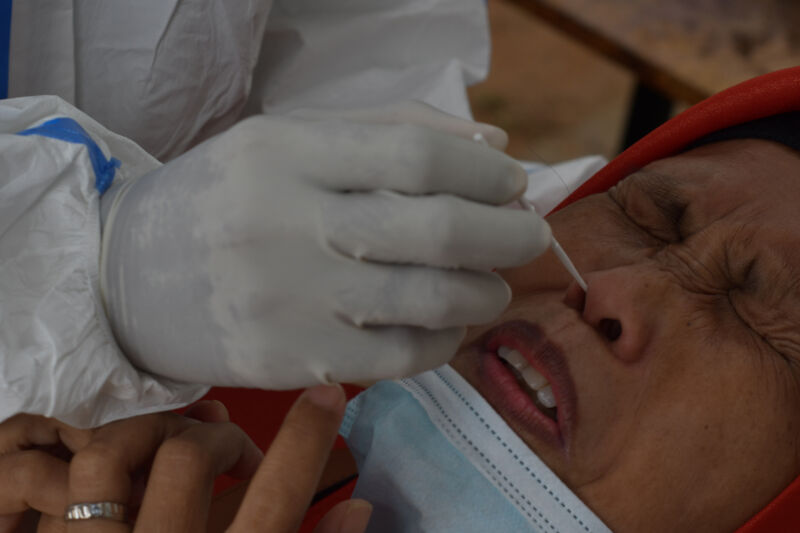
[767, 95]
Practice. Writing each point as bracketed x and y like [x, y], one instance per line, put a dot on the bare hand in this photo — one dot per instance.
[164, 465]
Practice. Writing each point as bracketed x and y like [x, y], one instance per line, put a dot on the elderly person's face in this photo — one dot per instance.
[676, 377]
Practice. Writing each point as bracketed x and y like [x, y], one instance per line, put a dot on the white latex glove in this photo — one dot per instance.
[291, 251]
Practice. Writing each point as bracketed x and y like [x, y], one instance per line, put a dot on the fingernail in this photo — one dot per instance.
[357, 517]
[223, 409]
[496, 137]
[329, 397]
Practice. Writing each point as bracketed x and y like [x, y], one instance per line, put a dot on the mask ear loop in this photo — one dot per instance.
[554, 244]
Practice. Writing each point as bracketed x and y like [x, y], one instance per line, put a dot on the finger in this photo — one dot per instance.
[33, 480]
[420, 296]
[281, 490]
[405, 158]
[23, 431]
[351, 516]
[417, 160]
[394, 352]
[439, 230]
[413, 112]
[102, 470]
[181, 480]
[224, 507]
[51, 524]
[31, 521]
[208, 411]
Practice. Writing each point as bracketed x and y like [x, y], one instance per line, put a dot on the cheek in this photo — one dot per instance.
[544, 273]
[719, 416]
[472, 335]
[594, 236]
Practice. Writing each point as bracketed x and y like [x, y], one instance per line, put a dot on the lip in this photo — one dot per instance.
[500, 387]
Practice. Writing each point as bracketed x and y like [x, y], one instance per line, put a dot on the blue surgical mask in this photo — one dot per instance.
[433, 456]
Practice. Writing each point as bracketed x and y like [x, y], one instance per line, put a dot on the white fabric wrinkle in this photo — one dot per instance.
[167, 24]
[52, 44]
[390, 49]
[142, 75]
[417, 41]
[57, 352]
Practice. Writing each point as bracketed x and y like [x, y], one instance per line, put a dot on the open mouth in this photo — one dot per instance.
[530, 380]
[525, 377]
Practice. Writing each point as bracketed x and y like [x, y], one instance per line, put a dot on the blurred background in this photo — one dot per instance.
[566, 73]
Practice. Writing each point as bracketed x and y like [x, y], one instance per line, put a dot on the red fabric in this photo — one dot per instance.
[782, 513]
[770, 94]
[260, 414]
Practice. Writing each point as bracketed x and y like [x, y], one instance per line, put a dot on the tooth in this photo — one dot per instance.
[534, 379]
[546, 397]
[512, 357]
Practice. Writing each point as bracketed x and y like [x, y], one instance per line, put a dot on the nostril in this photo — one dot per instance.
[610, 328]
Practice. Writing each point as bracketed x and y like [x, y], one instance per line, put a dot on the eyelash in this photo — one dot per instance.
[667, 230]
[657, 240]
[674, 215]
[670, 209]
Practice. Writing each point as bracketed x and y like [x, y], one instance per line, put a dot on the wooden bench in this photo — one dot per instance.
[680, 50]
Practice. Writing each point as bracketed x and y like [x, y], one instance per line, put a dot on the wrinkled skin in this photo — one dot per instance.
[689, 420]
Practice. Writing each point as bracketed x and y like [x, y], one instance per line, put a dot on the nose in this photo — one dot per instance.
[619, 304]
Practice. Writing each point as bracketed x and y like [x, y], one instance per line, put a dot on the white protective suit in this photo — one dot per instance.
[133, 68]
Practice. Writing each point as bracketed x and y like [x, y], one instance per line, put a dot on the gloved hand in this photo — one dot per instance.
[290, 251]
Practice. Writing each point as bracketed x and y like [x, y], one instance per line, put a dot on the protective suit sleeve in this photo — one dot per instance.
[169, 74]
[165, 73]
[366, 53]
[58, 357]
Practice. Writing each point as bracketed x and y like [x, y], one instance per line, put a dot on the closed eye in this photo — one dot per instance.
[653, 203]
[672, 208]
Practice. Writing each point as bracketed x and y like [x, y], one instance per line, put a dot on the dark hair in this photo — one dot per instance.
[783, 128]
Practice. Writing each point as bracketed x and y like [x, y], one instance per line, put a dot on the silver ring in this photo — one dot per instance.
[91, 511]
